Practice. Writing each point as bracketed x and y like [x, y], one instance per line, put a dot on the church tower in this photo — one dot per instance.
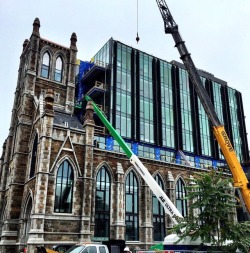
[46, 82]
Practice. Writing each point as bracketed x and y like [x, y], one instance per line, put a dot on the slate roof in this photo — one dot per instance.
[64, 119]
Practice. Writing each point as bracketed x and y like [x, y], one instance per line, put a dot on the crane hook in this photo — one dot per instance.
[137, 38]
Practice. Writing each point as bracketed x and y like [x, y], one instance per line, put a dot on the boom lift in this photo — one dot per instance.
[169, 207]
[239, 177]
[167, 204]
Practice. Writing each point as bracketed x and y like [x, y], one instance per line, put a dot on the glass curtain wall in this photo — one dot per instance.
[102, 56]
[233, 106]
[168, 136]
[123, 91]
[146, 99]
[218, 106]
[204, 128]
[186, 113]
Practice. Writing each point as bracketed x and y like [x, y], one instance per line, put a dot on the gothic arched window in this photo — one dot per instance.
[158, 215]
[58, 69]
[131, 202]
[34, 157]
[102, 203]
[45, 65]
[3, 216]
[181, 203]
[64, 188]
[27, 220]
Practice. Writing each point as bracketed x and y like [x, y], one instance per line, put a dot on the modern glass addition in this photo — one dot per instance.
[102, 57]
[123, 91]
[168, 156]
[235, 123]
[147, 152]
[146, 98]
[158, 215]
[181, 203]
[58, 69]
[186, 113]
[45, 65]
[137, 79]
[131, 201]
[168, 126]
[218, 106]
[205, 129]
[64, 188]
[102, 203]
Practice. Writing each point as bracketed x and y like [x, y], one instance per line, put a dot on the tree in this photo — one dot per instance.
[211, 211]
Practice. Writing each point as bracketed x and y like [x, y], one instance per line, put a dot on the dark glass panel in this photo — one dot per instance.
[158, 215]
[64, 188]
[181, 203]
[131, 202]
[102, 203]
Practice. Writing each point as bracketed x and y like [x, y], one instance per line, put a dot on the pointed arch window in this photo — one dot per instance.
[181, 203]
[3, 216]
[27, 220]
[102, 203]
[34, 157]
[45, 65]
[131, 201]
[58, 69]
[64, 188]
[158, 215]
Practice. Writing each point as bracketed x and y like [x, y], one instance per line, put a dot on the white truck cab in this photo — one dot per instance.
[88, 248]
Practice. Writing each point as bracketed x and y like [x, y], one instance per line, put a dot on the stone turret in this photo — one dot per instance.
[70, 97]
[73, 40]
[36, 26]
[49, 100]
[25, 43]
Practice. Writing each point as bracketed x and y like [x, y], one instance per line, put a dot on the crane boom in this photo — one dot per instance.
[172, 28]
[240, 179]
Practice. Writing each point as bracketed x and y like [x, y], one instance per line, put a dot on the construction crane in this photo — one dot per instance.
[239, 176]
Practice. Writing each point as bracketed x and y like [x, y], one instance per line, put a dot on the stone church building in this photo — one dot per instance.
[56, 184]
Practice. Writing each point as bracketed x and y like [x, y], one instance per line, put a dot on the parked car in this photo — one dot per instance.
[88, 248]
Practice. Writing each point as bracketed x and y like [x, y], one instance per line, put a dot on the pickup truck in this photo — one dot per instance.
[112, 246]
[89, 248]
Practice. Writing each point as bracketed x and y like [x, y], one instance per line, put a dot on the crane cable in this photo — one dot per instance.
[137, 37]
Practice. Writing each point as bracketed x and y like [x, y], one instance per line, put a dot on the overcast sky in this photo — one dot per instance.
[216, 32]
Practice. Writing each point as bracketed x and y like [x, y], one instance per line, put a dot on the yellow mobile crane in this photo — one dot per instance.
[239, 176]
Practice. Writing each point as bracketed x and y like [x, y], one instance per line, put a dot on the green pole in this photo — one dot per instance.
[112, 131]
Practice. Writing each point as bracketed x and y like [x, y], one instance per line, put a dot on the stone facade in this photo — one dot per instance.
[44, 109]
